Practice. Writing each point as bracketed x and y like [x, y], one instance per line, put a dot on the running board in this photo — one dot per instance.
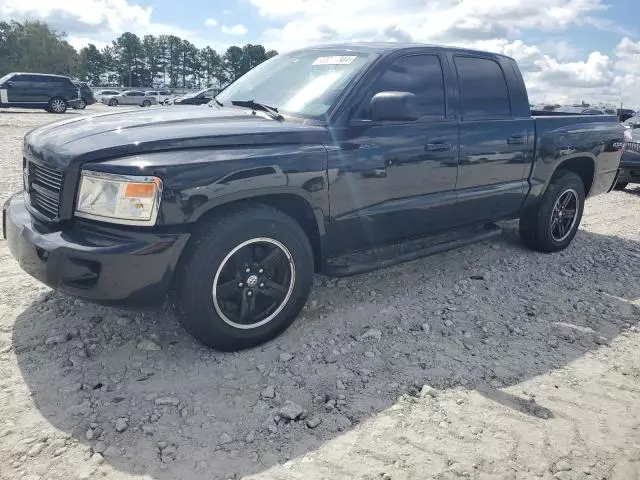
[382, 257]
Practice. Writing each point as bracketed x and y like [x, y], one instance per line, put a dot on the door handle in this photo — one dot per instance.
[437, 147]
[515, 140]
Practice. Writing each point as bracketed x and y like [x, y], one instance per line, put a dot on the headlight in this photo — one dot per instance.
[124, 199]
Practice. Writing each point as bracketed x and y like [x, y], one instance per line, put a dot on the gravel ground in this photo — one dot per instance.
[487, 362]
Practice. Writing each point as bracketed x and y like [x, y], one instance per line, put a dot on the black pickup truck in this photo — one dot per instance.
[231, 207]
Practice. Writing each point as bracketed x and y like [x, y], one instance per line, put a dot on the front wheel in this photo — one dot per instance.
[146, 103]
[244, 279]
[551, 224]
[82, 104]
[113, 102]
[621, 186]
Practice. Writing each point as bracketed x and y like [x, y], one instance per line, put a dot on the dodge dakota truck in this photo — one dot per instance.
[313, 155]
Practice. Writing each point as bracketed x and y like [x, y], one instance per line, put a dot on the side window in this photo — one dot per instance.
[483, 89]
[417, 74]
[21, 81]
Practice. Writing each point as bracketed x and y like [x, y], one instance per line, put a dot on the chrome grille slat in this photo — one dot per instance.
[632, 146]
[45, 186]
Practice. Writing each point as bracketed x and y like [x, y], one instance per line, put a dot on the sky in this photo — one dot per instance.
[569, 50]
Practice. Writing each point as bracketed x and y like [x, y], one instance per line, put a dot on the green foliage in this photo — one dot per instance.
[129, 61]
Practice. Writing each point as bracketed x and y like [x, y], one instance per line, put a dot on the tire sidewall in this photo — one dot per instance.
[199, 313]
[113, 103]
[569, 182]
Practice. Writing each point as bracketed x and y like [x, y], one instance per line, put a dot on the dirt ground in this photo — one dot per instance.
[487, 362]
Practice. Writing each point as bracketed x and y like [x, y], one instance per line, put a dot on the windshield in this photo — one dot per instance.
[304, 83]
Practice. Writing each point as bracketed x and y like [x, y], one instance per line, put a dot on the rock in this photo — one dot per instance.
[340, 385]
[428, 391]
[99, 447]
[225, 438]
[561, 465]
[268, 392]
[426, 328]
[122, 321]
[57, 443]
[57, 339]
[147, 429]
[168, 454]
[97, 458]
[285, 357]
[122, 424]
[448, 323]
[313, 422]
[250, 438]
[82, 409]
[148, 345]
[110, 451]
[290, 410]
[59, 451]
[173, 401]
[35, 450]
[369, 354]
[373, 333]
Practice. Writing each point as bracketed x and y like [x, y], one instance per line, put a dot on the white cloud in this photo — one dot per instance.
[238, 30]
[555, 70]
[211, 22]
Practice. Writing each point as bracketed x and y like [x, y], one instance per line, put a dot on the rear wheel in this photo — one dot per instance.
[244, 279]
[113, 102]
[146, 103]
[82, 104]
[551, 224]
[621, 186]
[57, 105]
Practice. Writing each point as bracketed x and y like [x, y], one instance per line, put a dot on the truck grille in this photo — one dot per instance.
[632, 146]
[45, 186]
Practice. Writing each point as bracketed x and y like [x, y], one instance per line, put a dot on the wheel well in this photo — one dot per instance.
[294, 206]
[583, 167]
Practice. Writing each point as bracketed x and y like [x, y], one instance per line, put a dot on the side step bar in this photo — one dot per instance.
[407, 251]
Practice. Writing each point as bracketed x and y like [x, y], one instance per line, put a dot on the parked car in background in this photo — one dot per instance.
[129, 97]
[630, 161]
[234, 206]
[54, 93]
[624, 114]
[632, 122]
[105, 93]
[160, 95]
[86, 96]
[198, 98]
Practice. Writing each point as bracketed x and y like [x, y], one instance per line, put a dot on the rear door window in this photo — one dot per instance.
[483, 89]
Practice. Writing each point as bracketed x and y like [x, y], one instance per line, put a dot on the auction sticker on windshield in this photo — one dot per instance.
[334, 60]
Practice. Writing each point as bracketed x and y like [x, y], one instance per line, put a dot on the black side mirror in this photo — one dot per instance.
[9, 84]
[394, 106]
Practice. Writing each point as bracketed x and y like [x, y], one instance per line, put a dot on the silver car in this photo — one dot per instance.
[129, 97]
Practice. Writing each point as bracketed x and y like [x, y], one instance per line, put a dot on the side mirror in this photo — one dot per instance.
[9, 84]
[394, 106]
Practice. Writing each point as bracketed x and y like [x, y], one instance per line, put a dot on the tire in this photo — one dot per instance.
[57, 105]
[536, 229]
[621, 186]
[227, 250]
[113, 102]
[82, 104]
[146, 103]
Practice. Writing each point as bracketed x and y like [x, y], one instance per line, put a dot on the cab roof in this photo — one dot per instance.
[385, 48]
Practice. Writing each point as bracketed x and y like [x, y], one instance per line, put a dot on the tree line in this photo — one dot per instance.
[130, 61]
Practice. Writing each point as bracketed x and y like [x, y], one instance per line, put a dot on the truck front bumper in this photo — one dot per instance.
[101, 264]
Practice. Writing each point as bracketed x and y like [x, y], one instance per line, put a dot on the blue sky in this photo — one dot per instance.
[568, 49]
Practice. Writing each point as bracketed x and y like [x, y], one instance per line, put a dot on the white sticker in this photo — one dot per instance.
[336, 60]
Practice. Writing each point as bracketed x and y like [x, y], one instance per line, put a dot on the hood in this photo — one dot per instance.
[111, 135]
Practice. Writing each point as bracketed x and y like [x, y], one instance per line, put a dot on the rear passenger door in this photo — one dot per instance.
[21, 90]
[496, 138]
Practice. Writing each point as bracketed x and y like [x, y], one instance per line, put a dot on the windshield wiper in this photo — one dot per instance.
[252, 104]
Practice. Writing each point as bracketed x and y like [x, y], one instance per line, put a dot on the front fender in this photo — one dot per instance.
[196, 181]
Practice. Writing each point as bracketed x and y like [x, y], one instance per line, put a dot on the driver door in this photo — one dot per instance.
[397, 179]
